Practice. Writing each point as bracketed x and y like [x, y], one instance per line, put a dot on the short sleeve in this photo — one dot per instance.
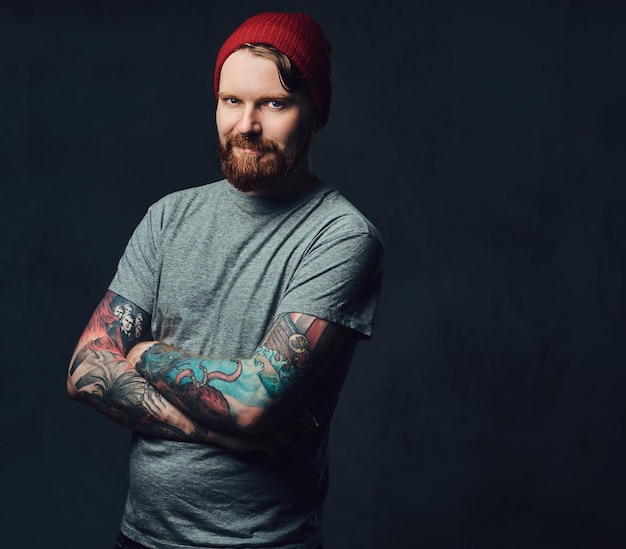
[136, 274]
[339, 279]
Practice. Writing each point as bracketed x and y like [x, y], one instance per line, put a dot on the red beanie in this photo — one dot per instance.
[300, 38]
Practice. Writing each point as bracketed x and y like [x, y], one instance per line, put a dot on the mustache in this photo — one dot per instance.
[255, 143]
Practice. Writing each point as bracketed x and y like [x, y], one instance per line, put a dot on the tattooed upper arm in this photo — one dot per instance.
[114, 327]
[117, 323]
[132, 321]
[296, 345]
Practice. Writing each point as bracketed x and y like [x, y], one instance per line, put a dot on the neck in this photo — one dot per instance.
[301, 178]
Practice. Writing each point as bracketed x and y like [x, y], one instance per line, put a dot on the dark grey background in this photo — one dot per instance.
[484, 139]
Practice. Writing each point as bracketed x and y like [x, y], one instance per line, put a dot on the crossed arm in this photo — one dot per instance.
[240, 403]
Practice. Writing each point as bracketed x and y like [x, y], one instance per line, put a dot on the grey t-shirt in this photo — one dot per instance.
[214, 266]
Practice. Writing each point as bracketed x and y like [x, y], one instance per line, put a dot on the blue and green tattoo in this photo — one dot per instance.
[215, 388]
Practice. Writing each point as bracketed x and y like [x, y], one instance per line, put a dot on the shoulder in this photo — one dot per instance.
[344, 218]
[202, 193]
[183, 204]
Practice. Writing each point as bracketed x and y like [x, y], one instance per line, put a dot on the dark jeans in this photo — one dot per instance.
[124, 543]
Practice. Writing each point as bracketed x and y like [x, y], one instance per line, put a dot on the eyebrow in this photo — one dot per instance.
[278, 97]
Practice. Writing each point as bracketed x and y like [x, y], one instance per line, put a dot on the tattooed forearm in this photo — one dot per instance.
[110, 385]
[184, 379]
[123, 395]
[229, 393]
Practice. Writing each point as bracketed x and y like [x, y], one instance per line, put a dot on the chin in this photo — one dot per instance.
[251, 186]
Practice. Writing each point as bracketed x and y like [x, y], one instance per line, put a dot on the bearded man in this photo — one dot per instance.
[256, 290]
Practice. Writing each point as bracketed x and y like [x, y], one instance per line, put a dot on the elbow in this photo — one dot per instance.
[72, 391]
[73, 377]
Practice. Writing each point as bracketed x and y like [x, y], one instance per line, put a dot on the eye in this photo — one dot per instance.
[231, 100]
[276, 105]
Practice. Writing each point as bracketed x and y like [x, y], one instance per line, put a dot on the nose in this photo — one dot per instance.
[249, 123]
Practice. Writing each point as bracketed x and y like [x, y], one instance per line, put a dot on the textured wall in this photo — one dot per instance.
[482, 138]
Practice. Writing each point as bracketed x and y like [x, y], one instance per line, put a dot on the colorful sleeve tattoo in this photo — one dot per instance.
[217, 389]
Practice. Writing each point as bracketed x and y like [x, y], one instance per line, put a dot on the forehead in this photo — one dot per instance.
[246, 73]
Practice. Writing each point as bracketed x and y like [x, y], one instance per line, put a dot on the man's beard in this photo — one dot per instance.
[251, 172]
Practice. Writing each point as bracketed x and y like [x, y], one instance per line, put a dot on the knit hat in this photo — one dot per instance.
[300, 38]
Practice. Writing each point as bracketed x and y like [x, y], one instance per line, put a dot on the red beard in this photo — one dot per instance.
[250, 172]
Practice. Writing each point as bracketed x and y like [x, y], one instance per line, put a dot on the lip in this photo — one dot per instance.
[249, 151]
